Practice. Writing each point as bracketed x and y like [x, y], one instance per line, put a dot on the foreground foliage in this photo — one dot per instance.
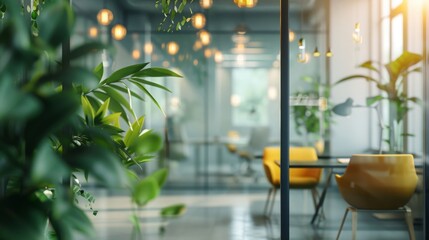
[59, 119]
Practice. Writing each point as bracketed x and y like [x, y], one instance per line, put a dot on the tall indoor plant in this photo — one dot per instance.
[393, 91]
[57, 119]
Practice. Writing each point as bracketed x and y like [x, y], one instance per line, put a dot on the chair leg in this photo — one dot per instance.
[273, 200]
[267, 202]
[316, 198]
[409, 221]
[354, 222]
[342, 223]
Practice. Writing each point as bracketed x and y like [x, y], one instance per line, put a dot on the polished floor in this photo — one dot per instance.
[235, 214]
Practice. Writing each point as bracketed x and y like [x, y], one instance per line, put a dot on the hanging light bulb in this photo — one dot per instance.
[172, 48]
[204, 37]
[198, 20]
[241, 29]
[246, 3]
[291, 36]
[316, 52]
[136, 54]
[197, 45]
[206, 4]
[93, 32]
[357, 36]
[329, 53]
[208, 52]
[104, 16]
[218, 56]
[119, 32]
[301, 44]
[148, 48]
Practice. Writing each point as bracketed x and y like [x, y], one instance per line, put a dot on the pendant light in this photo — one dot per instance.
[245, 3]
[93, 32]
[205, 37]
[119, 32]
[198, 20]
[316, 52]
[206, 4]
[329, 53]
[172, 48]
[105, 17]
[357, 36]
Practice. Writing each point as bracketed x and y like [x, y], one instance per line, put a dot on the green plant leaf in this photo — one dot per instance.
[47, 166]
[88, 111]
[124, 72]
[57, 21]
[98, 71]
[173, 210]
[86, 48]
[133, 132]
[369, 65]
[148, 142]
[117, 97]
[372, 100]
[358, 76]
[112, 119]
[156, 72]
[401, 64]
[161, 176]
[114, 106]
[142, 81]
[150, 95]
[102, 110]
[125, 90]
[98, 161]
[146, 190]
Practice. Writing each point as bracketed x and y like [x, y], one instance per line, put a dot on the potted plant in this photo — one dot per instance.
[58, 119]
[392, 90]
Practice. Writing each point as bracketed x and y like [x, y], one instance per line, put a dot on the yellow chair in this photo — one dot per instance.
[306, 178]
[378, 182]
[272, 171]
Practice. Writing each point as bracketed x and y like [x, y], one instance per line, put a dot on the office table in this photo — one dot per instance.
[328, 164]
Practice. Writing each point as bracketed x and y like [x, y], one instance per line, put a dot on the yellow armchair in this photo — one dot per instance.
[378, 182]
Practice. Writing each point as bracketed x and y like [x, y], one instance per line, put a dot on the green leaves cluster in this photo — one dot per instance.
[176, 14]
[392, 89]
[57, 120]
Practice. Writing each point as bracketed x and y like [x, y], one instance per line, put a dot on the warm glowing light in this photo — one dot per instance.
[208, 52]
[172, 48]
[329, 53]
[241, 29]
[195, 62]
[174, 102]
[316, 52]
[218, 56]
[148, 48]
[197, 45]
[204, 37]
[198, 20]
[291, 36]
[303, 57]
[136, 54]
[119, 32]
[246, 3]
[235, 100]
[165, 64]
[104, 16]
[206, 4]
[301, 43]
[93, 32]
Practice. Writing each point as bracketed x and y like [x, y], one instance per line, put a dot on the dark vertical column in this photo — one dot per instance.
[66, 64]
[284, 116]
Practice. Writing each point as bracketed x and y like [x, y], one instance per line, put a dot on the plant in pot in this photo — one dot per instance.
[312, 121]
[393, 91]
[58, 119]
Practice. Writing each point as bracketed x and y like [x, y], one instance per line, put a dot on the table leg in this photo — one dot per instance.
[322, 196]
